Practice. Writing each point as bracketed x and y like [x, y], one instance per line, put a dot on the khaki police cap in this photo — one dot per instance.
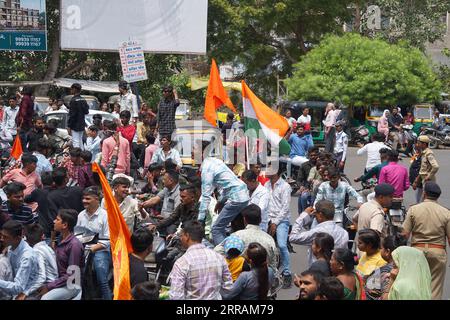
[424, 139]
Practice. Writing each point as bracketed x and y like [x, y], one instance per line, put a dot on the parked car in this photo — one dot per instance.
[41, 104]
[61, 117]
[92, 101]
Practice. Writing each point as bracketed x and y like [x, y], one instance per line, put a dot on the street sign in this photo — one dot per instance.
[133, 61]
[23, 25]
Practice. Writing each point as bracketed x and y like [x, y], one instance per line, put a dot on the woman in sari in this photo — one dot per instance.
[410, 277]
[383, 125]
[342, 266]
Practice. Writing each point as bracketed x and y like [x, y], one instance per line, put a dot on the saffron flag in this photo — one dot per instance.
[120, 240]
[216, 96]
[261, 118]
[16, 151]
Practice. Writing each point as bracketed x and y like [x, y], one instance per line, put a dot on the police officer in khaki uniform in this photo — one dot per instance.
[429, 225]
[428, 166]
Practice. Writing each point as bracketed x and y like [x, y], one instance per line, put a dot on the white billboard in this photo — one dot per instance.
[165, 26]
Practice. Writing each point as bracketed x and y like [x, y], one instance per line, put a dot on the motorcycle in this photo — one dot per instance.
[438, 137]
[359, 135]
[411, 138]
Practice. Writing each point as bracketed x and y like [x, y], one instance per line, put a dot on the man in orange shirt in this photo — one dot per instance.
[27, 175]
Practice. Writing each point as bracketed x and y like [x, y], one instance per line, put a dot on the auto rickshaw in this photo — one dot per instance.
[423, 115]
[188, 133]
[316, 111]
[222, 117]
[373, 114]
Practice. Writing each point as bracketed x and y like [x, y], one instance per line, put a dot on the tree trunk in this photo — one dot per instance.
[357, 17]
[52, 68]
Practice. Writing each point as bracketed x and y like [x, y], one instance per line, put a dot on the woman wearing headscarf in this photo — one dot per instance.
[383, 125]
[410, 277]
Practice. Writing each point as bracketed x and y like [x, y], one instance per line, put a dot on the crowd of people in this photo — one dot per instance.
[230, 231]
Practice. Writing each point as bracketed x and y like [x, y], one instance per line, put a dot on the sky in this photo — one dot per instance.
[33, 4]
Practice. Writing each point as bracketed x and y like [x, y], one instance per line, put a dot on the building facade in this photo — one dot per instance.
[13, 16]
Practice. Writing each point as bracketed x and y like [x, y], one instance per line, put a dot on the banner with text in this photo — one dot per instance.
[23, 25]
[133, 61]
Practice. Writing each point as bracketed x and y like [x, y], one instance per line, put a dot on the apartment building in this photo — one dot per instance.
[434, 50]
[13, 16]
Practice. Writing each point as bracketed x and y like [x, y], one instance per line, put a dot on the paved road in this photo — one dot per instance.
[354, 167]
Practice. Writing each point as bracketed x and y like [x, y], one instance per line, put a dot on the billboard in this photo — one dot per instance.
[23, 25]
[164, 26]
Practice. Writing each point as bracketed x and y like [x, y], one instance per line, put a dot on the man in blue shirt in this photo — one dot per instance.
[300, 145]
[23, 262]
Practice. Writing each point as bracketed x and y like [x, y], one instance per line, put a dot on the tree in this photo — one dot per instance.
[417, 21]
[265, 38]
[358, 71]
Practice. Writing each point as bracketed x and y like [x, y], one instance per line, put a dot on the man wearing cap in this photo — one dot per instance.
[428, 224]
[428, 166]
[340, 145]
[371, 214]
[127, 100]
[166, 112]
[78, 109]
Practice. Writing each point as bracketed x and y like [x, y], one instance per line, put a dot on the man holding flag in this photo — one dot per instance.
[119, 236]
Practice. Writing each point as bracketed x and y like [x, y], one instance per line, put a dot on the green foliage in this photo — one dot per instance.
[358, 71]
[416, 21]
[264, 38]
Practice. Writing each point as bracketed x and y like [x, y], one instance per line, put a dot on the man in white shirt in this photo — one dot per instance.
[373, 150]
[46, 257]
[340, 145]
[258, 195]
[279, 215]
[9, 117]
[127, 100]
[304, 231]
[95, 219]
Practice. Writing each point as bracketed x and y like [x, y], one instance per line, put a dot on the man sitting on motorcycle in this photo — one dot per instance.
[95, 219]
[372, 149]
[336, 191]
[395, 175]
[375, 171]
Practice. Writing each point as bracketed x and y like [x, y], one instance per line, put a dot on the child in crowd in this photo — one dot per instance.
[234, 247]
[93, 141]
[85, 175]
[371, 259]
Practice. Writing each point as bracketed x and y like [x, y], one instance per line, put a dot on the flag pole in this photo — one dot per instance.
[246, 137]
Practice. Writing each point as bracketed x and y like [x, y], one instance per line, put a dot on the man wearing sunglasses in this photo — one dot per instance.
[166, 111]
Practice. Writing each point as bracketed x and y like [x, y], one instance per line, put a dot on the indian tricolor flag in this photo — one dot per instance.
[261, 118]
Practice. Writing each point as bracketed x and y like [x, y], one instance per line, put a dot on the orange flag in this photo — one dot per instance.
[216, 96]
[120, 240]
[16, 151]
